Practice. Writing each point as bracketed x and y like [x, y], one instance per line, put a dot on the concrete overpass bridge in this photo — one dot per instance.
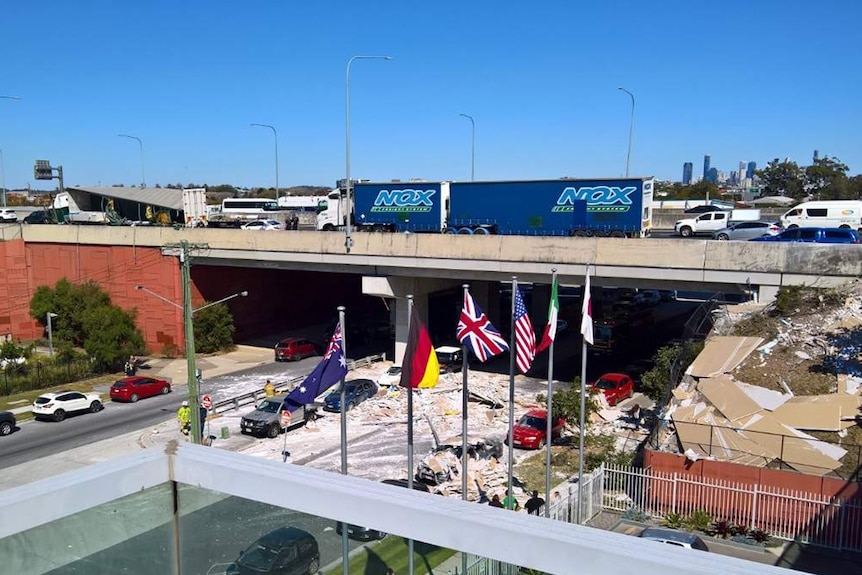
[393, 265]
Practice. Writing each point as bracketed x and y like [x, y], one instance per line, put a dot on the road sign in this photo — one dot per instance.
[285, 418]
[207, 402]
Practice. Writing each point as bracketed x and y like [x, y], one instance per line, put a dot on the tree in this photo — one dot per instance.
[826, 179]
[654, 383]
[567, 403]
[87, 319]
[214, 329]
[782, 179]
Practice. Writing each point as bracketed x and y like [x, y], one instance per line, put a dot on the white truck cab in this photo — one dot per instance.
[705, 223]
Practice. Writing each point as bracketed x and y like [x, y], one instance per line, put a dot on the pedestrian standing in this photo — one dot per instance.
[534, 503]
[509, 502]
[269, 389]
[495, 501]
[184, 417]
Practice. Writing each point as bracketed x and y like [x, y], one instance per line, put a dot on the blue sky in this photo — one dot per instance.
[740, 80]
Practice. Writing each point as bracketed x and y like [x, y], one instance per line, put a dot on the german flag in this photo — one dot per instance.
[420, 367]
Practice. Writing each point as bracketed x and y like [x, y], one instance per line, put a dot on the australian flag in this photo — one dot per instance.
[331, 369]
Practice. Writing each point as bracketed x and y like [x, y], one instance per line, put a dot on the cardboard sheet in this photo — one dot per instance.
[727, 397]
[722, 355]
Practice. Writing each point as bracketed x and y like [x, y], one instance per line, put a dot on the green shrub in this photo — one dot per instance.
[698, 520]
[672, 520]
[635, 514]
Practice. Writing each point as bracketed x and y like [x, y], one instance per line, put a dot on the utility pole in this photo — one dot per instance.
[194, 400]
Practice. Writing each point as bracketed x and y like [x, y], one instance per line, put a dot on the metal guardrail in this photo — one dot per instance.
[252, 397]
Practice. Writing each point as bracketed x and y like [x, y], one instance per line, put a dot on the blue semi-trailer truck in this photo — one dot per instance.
[565, 207]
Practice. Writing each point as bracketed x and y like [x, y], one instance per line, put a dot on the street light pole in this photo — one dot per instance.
[2, 168]
[275, 134]
[631, 128]
[348, 239]
[472, 146]
[50, 334]
[141, 146]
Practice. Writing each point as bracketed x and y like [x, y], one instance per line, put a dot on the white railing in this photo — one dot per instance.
[784, 514]
[566, 507]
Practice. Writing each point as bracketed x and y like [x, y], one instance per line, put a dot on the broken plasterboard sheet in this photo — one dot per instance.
[849, 384]
[811, 416]
[680, 394]
[727, 397]
[720, 444]
[765, 398]
[849, 404]
[790, 444]
[690, 413]
[845, 324]
[722, 355]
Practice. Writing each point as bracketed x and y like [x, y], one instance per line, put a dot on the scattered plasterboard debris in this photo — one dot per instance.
[844, 324]
[727, 397]
[722, 355]
[849, 384]
[811, 416]
[792, 446]
[765, 398]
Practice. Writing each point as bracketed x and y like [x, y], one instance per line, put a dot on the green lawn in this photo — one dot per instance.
[391, 553]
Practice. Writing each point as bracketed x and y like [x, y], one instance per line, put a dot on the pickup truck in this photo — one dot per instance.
[266, 417]
[703, 224]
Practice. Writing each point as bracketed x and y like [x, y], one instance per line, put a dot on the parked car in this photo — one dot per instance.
[437, 467]
[8, 216]
[615, 387]
[355, 392]
[673, 537]
[265, 419]
[667, 294]
[647, 298]
[7, 422]
[366, 533]
[285, 551]
[531, 430]
[137, 387]
[814, 235]
[267, 225]
[56, 405]
[294, 349]
[391, 377]
[701, 209]
[747, 230]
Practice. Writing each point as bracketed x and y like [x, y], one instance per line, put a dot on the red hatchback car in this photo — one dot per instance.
[615, 387]
[531, 430]
[137, 387]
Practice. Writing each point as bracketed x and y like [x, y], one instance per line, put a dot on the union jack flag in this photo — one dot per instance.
[477, 332]
[334, 342]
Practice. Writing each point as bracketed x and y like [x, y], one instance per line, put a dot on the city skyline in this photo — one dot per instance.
[187, 80]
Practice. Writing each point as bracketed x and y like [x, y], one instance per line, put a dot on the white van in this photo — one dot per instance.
[825, 214]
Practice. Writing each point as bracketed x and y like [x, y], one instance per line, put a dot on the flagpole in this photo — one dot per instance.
[464, 458]
[550, 414]
[581, 426]
[345, 543]
[513, 350]
[409, 391]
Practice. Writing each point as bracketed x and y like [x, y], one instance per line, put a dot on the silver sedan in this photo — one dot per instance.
[747, 230]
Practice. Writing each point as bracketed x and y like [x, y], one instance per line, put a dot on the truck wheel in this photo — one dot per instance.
[618, 234]
[465, 231]
[481, 232]
[685, 231]
[328, 228]
[580, 234]
[273, 431]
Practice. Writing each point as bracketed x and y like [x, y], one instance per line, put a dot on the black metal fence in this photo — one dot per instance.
[39, 375]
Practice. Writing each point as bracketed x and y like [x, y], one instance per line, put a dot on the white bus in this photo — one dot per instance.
[824, 214]
[300, 203]
[249, 206]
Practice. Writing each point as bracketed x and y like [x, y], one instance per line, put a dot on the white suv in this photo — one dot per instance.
[57, 405]
[7, 216]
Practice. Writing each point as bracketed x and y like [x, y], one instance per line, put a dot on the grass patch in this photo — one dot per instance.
[531, 471]
[391, 553]
[26, 398]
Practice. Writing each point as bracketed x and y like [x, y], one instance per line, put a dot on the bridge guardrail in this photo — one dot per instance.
[252, 397]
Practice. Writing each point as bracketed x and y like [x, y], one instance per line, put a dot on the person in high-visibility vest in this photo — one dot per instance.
[269, 388]
[184, 417]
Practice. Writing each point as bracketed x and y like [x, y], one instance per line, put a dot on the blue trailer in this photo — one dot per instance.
[567, 207]
[401, 207]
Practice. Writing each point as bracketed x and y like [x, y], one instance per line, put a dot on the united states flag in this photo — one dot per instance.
[477, 332]
[525, 337]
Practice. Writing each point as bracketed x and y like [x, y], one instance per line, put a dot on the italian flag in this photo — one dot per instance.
[551, 328]
[420, 367]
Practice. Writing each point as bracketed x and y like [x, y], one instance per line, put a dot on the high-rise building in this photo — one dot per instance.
[707, 159]
[749, 173]
[712, 175]
[686, 173]
[816, 155]
[740, 174]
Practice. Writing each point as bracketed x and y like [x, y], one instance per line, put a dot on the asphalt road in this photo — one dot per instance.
[37, 439]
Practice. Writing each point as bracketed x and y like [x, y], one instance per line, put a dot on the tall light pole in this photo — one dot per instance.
[188, 313]
[2, 168]
[631, 128]
[348, 239]
[472, 146]
[51, 333]
[275, 134]
[141, 146]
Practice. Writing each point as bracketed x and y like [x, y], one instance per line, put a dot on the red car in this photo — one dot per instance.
[294, 348]
[615, 387]
[531, 430]
[137, 387]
